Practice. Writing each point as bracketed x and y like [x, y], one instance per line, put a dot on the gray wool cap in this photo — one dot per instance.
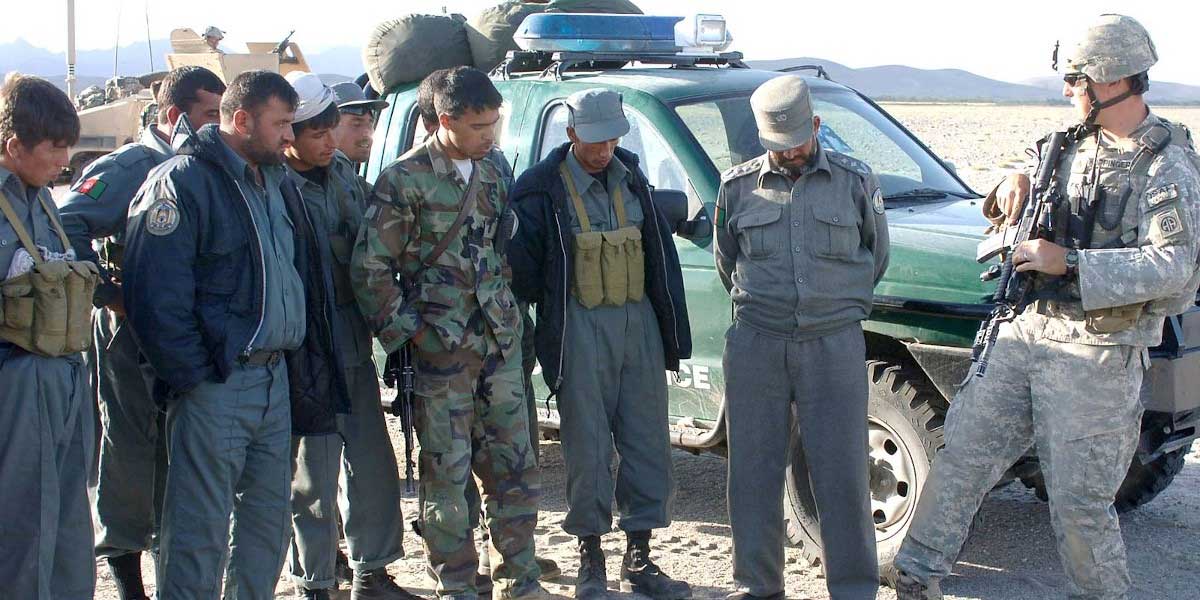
[784, 114]
[597, 115]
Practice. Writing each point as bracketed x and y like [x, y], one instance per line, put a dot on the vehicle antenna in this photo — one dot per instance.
[117, 40]
[71, 49]
[149, 44]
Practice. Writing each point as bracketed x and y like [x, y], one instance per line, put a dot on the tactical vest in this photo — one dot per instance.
[47, 311]
[1102, 190]
[610, 267]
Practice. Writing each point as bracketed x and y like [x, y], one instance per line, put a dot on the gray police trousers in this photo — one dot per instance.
[823, 384]
[615, 391]
[360, 460]
[46, 441]
[132, 472]
[230, 448]
[1080, 405]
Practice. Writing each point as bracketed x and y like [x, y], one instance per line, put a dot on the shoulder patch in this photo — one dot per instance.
[1162, 194]
[92, 187]
[162, 218]
[849, 163]
[1167, 225]
[877, 202]
[750, 166]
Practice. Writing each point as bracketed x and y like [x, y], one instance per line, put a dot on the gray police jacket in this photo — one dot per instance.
[801, 259]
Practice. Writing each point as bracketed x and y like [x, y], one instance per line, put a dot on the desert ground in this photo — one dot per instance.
[1010, 554]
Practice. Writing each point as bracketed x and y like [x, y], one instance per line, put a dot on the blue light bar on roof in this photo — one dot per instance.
[576, 32]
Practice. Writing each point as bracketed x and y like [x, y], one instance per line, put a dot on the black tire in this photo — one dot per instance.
[1144, 482]
[905, 433]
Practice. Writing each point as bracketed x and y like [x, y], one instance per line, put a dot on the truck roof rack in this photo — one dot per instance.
[821, 72]
[556, 64]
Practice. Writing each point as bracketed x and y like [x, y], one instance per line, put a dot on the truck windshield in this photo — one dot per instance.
[725, 129]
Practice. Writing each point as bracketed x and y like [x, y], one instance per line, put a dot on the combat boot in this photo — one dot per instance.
[483, 578]
[640, 575]
[529, 591]
[342, 572]
[910, 588]
[749, 596]
[127, 572]
[592, 582]
[307, 594]
[376, 584]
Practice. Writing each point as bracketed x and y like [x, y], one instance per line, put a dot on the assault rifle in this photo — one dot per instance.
[282, 46]
[1037, 222]
[399, 374]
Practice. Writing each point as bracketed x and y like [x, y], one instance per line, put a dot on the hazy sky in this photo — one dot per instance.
[1004, 40]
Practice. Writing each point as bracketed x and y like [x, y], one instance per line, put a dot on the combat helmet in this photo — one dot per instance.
[1112, 48]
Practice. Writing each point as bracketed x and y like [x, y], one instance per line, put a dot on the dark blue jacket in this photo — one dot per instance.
[542, 259]
[194, 296]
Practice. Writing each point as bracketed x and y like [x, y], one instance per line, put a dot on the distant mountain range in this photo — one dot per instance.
[888, 82]
[900, 83]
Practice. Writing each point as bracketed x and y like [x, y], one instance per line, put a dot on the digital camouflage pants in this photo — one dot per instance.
[471, 417]
[1079, 404]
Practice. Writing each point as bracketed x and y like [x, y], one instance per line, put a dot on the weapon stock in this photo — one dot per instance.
[399, 374]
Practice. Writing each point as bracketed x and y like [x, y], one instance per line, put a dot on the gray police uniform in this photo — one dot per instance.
[614, 389]
[230, 442]
[800, 259]
[132, 469]
[46, 443]
[360, 457]
[1140, 264]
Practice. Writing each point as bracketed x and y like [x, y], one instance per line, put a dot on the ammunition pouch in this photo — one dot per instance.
[1113, 319]
[47, 311]
[589, 279]
[610, 266]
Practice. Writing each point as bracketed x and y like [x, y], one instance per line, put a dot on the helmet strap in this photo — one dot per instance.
[1098, 106]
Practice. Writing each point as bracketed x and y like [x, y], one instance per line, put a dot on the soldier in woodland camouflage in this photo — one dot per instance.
[456, 309]
[1065, 374]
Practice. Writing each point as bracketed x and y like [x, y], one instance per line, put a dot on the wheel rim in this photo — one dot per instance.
[893, 478]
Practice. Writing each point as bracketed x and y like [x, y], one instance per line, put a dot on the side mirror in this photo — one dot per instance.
[673, 204]
[950, 166]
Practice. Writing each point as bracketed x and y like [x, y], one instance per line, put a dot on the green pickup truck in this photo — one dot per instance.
[690, 120]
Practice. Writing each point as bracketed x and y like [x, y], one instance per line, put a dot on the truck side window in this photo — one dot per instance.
[658, 161]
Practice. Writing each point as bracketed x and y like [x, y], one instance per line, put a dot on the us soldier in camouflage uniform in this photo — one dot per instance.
[132, 469]
[1128, 259]
[462, 321]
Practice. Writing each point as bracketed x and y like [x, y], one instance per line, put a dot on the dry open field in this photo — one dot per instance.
[1011, 552]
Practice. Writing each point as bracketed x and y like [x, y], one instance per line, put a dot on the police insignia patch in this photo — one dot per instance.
[877, 202]
[163, 217]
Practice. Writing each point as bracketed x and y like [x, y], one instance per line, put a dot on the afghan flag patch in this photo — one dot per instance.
[92, 188]
[720, 216]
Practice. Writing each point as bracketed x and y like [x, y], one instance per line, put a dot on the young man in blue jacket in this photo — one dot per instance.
[597, 258]
[230, 301]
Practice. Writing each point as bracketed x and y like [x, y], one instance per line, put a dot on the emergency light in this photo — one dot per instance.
[633, 34]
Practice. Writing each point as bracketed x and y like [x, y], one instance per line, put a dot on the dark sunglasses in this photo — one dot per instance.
[1073, 79]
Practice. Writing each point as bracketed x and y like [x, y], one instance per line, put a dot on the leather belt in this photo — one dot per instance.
[261, 358]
